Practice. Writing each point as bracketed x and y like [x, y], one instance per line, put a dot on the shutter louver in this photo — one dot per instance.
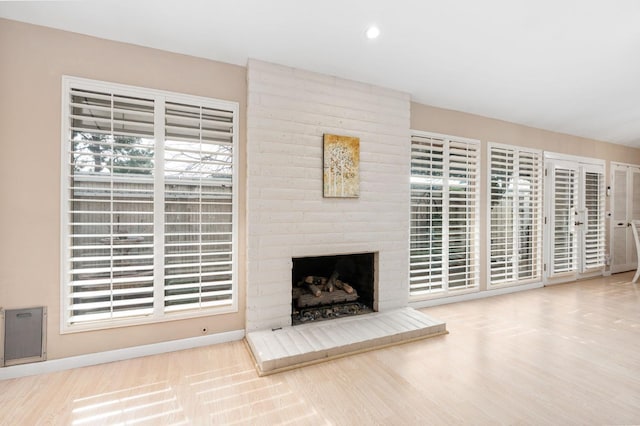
[198, 166]
[516, 206]
[110, 213]
[444, 241]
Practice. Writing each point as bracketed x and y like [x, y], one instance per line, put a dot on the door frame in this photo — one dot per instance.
[580, 163]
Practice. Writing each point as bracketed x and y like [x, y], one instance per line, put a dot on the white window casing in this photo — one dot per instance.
[444, 246]
[149, 206]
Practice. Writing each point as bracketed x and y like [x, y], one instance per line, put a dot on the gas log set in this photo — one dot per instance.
[319, 298]
[328, 287]
[313, 291]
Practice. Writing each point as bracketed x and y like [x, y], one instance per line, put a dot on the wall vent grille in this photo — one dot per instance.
[24, 335]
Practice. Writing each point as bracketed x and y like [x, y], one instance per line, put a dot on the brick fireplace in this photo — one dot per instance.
[288, 112]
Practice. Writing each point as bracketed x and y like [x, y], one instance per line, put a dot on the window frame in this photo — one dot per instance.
[445, 290]
[159, 96]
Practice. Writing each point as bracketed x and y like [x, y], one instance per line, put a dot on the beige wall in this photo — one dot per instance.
[32, 61]
[455, 123]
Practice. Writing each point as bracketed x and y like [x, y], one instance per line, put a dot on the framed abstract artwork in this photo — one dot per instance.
[341, 166]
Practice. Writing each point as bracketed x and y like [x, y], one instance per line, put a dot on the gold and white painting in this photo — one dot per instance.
[341, 166]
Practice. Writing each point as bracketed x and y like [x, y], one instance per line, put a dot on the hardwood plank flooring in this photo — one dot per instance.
[560, 355]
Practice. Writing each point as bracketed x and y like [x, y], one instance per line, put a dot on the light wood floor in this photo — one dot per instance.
[567, 354]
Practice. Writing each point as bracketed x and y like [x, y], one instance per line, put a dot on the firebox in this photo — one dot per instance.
[328, 287]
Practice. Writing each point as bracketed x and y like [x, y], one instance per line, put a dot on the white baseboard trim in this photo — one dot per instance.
[54, 365]
[473, 296]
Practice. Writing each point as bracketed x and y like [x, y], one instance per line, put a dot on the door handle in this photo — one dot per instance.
[578, 223]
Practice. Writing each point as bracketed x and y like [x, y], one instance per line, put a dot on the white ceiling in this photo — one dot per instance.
[571, 66]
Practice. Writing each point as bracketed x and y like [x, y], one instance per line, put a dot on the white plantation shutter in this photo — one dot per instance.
[621, 235]
[635, 210]
[635, 198]
[148, 204]
[198, 206]
[625, 207]
[444, 214]
[529, 235]
[516, 212]
[427, 263]
[110, 206]
[503, 247]
[565, 199]
[462, 222]
[594, 220]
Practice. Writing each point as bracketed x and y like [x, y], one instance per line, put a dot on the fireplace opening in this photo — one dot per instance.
[328, 287]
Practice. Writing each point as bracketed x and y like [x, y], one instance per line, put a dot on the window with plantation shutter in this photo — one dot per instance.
[444, 253]
[516, 214]
[148, 220]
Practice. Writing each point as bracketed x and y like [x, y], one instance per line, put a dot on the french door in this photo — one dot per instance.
[574, 218]
[625, 207]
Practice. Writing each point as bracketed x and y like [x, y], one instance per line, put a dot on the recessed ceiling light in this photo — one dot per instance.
[372, 32]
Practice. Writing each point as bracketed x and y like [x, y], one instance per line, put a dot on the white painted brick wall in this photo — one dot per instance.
[288, 112]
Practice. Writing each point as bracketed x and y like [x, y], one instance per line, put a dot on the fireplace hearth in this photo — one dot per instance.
[328, 287]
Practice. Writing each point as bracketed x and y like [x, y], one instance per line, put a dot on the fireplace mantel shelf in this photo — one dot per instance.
[290, 347]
